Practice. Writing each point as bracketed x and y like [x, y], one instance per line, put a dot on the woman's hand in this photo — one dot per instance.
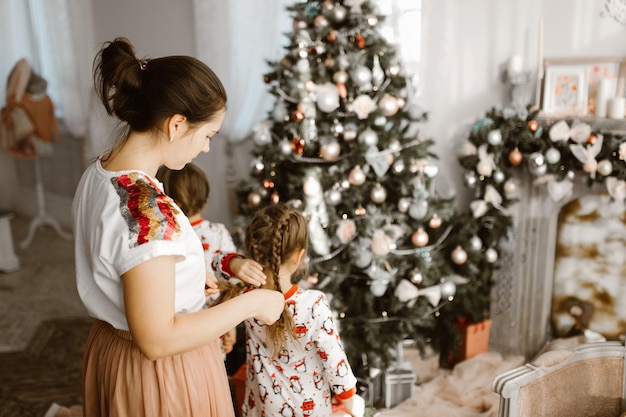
[270, 304]
[247, 270]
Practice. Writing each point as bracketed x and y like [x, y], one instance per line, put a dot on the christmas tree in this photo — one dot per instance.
[342, 143]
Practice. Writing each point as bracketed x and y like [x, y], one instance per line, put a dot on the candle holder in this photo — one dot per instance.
[518, 83]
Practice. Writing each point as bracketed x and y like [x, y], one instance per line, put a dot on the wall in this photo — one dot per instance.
[464, 44]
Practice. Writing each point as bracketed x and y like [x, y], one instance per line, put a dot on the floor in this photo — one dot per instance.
[43, 327]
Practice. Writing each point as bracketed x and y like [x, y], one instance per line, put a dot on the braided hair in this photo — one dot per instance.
[274, 234]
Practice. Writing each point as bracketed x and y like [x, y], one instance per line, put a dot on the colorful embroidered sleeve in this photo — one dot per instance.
[148, 213]
[330, 349]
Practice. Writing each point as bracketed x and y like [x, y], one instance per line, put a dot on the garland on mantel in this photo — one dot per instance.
[554, 151]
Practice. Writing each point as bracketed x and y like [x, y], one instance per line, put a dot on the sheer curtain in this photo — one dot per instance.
[56, 37]
[236, 38]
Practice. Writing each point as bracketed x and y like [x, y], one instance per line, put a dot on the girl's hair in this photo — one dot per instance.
[189, 187]
[144, 93]
[275, 233]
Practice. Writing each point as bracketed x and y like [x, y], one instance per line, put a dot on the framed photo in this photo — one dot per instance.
[571, 85]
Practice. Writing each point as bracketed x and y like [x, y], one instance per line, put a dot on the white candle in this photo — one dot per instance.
[540, 47]
[515, 64]
[606, 90]
[617, 107]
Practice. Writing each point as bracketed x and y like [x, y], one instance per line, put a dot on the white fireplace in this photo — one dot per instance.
[528, 309]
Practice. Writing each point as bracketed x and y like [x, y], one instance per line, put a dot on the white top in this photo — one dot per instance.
[122, 219]
[300, 381]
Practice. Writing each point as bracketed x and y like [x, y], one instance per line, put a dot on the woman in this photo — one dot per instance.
[153, 350]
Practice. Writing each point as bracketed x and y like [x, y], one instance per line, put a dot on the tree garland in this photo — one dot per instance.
[554, 152]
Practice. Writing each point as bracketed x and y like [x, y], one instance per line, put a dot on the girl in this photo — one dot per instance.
[295, 364]
[153, 350]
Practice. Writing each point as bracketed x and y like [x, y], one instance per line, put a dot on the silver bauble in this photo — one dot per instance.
[475, 243]
[285, 147]
[491, 255]
[470, 179]
[388, 104]
[403, 205]
[333, 197]
[398, 167]
[420, 238]
[494, 137]
[340, 77]
[510, 187]
[361, 75]
[254, 199]
[605, 167]
[394, 145]
[356, 176]
[378, 194]
[537, 164]
[418, 209]
[338, 13]
[498, 177]
[368, 137]
[553, 155]
[350, 131]
[448, 289]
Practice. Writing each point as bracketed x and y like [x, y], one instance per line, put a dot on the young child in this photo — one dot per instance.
[189, 188]
[297, 363]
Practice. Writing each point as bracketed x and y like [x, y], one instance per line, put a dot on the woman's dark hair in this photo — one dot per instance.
[274, 234]
[144, 93]
[189, 187]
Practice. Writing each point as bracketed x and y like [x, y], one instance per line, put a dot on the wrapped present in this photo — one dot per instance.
[398, 385]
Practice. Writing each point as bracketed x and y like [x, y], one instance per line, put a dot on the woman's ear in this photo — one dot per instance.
[175, 125]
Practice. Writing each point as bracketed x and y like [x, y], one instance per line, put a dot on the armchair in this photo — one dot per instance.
[587, 380]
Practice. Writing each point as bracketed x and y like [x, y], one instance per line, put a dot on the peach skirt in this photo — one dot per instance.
[119, 381]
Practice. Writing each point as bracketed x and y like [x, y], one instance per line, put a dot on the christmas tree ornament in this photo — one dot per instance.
[591, 139]
[258, 166]
[297, 115]
[275, 197]
[605, 167]
[498, 177]
[311, 186]
[537, 164]
[327, 97]
[393, 70]
[378, 288]
[434, 222]
[418, 209]
[297, 145]
[378, 194]
[340, 76]
[254, 199]
[360, 210]
[330, 151]
[431, 170]
[378, 75]
[372, 20]
[491, 255]
[338, 13]
[458, 255]
[342, 62]
[476, 243]
[470, 179]
[404, 204]
[398, 167]
[415, 276]
[380, 121]
[320, 21]
[350, 131]
[516, 157]
[381, 243]
[279, 113]
[533, 125]
[268, 184]
[333, 197]
[553, 156]
[420, 238]
[337, 128]
[509, 188]
[331, 37]
[356, 176]
[361, 76]
[285, 147]
[360, 40]
[394, 145]
[494, 137]
[368, 137]
[448, 290]
[388, 105]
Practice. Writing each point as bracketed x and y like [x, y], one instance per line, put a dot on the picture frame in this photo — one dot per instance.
[570, 85]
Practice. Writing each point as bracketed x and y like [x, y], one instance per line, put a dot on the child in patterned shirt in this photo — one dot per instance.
[189, 188]
[297, 364]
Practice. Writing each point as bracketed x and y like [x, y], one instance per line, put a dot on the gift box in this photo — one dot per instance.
[398, 386]
[474, 339]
